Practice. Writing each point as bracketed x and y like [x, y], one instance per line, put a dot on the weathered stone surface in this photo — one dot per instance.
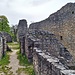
[48, 55]
[47, 43]
[22, 29]
[21, 34]
[62, 24]
[3, 46]
[7, 36]
[48, 65]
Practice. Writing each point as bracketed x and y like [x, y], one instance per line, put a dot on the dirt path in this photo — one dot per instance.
[14, 62]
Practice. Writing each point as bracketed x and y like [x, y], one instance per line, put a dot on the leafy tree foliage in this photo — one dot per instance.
[4, 26]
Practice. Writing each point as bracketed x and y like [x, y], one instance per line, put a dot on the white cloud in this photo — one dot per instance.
[39, 2]
[32, 10]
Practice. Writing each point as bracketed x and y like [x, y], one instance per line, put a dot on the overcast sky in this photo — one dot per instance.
[31, 10]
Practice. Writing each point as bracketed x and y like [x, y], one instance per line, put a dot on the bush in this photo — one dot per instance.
[5, 60]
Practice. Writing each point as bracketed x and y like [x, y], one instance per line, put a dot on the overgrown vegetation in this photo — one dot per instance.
[4, 26]
[14, 46]
[4, 69]
[27, 70]
[23, 61]
[5, 60]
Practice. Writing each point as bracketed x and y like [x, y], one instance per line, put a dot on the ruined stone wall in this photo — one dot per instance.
[22, 35]
[62, 24]
[7, 36]
[3, 46]
[47, 42]
[22, 29]
[48, 55]
[45, 64]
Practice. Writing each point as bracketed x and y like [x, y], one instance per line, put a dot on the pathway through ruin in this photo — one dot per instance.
[14, 62]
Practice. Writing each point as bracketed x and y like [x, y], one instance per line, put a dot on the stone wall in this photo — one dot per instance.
[48, 55]
[62, 24]
[45, 64]
[47, 42]
[7, 36]
[21, 34]
[3, 46]
[22, 29]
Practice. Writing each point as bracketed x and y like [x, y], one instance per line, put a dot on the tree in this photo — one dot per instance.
[4, 26]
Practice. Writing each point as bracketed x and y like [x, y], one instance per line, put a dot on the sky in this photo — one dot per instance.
[31, 10]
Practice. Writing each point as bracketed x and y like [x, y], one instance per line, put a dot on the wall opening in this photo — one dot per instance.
[72, 12]
[61, 37]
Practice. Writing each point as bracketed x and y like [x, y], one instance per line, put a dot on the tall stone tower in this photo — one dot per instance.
[21, 35]
[22, 29]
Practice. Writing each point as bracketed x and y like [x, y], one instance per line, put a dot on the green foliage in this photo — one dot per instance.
[4, 26]
[14, 46]
[27, 71]
[5, 60]
[14, 32]
[6, 70]
[23, 61]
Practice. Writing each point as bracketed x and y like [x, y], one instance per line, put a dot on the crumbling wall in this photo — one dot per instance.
[7, 36]
[47, 42]
[3, 46]
[45, 64]
[48, 55]
[21, 35]
[62, 24]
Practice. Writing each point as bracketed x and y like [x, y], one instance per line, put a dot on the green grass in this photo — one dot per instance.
[14, 46]
[12, 43]
[27, 70]
[5, 60]
[5, 70]
[3, 65]
[23, 61]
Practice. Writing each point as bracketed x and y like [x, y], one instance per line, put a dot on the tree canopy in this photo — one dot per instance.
[4, 26]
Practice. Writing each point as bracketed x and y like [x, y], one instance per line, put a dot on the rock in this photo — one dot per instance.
[7, 36]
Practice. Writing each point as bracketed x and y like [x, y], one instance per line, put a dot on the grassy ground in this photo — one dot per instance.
[27, 71]
[23, 61]
[5, 60]
[4, 69]
[14, 46]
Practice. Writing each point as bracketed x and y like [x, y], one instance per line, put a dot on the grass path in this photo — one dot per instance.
[14, 62]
